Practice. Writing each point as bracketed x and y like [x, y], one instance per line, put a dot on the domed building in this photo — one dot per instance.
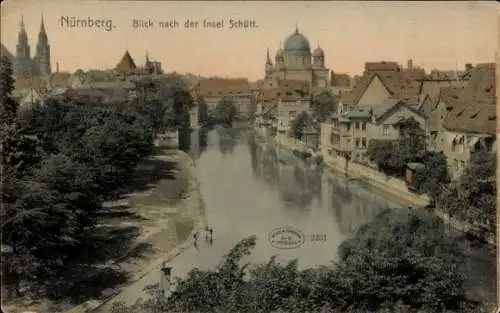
[294, 61]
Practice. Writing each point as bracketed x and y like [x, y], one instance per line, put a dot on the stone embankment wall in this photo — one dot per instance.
[390, 185]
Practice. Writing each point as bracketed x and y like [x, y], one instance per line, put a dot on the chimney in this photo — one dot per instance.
[410, 65]
[57, 67]
[468, 66]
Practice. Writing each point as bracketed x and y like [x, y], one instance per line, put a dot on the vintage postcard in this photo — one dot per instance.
[163, 156]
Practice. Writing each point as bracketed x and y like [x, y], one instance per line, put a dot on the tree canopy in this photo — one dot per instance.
[324, 105]
[300, 124]
[473, 197]
[225, 111]
[61, 159]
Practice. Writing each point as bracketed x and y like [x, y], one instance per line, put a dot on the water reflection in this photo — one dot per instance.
[197, 142]
[228, 137]
[304, 186]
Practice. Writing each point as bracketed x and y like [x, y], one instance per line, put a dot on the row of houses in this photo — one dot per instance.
[458, 114]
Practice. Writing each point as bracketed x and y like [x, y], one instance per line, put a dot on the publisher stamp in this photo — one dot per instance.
[285, 238]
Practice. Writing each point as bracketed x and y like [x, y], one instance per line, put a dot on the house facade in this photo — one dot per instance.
[348, 133]
[463, 120]
[290, 106]
[281, 102]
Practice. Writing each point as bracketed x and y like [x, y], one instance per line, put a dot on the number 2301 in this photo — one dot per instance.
[315, 238]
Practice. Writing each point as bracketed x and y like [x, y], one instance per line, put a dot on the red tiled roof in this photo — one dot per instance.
[392, 80]
[382, 66]
[216, 86]
[473, 108]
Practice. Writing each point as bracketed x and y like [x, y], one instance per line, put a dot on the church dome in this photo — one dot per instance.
[318, 52]
[297, 42]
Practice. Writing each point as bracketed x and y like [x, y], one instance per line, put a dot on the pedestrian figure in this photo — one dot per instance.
[211, 231]
[195, 236]
[211, 241]
[165, 277]
[206, 233]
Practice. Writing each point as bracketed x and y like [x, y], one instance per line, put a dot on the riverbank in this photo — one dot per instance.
[380, 182]
[158, 213]
[480, 258]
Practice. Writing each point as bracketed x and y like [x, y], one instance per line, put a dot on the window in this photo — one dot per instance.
[385, 130]
[357, 125]
[461, 144]
[348, 127]
[332, 138]
[462, 165]
[363, 142]
[455, 165]
[357, 142]
[363, 126]
[292, 114]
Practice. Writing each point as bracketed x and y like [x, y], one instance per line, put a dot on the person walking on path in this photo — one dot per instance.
[165, 276]
[206, 233]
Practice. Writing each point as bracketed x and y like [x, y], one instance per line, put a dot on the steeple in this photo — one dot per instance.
[22, 48]
[296, 27]
[22, 36]
[42, 28]
[147, 57]
[21, 25]
[42, 57]
[268, 58]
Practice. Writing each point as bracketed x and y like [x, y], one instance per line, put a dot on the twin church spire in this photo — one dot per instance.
[39, 65]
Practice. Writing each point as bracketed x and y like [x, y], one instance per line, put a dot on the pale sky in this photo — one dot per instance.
[434, 34]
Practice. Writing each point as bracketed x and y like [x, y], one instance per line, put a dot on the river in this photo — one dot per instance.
[251, 188]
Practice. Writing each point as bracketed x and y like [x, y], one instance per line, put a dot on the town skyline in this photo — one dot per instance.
[434, 35]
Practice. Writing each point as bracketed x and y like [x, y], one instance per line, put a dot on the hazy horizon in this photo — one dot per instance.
[443, 35]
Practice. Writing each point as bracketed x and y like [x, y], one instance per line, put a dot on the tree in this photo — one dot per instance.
[9, 107]
[391, 156]
[433, 176]
[225, 111]
[202, 111]
[411, 138]
[174, 92]
[300, 124]
[324, 105]
[473, 197]
[404, 255]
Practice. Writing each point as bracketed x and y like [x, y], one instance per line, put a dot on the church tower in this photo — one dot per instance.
[23, 66]
[42, 57]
